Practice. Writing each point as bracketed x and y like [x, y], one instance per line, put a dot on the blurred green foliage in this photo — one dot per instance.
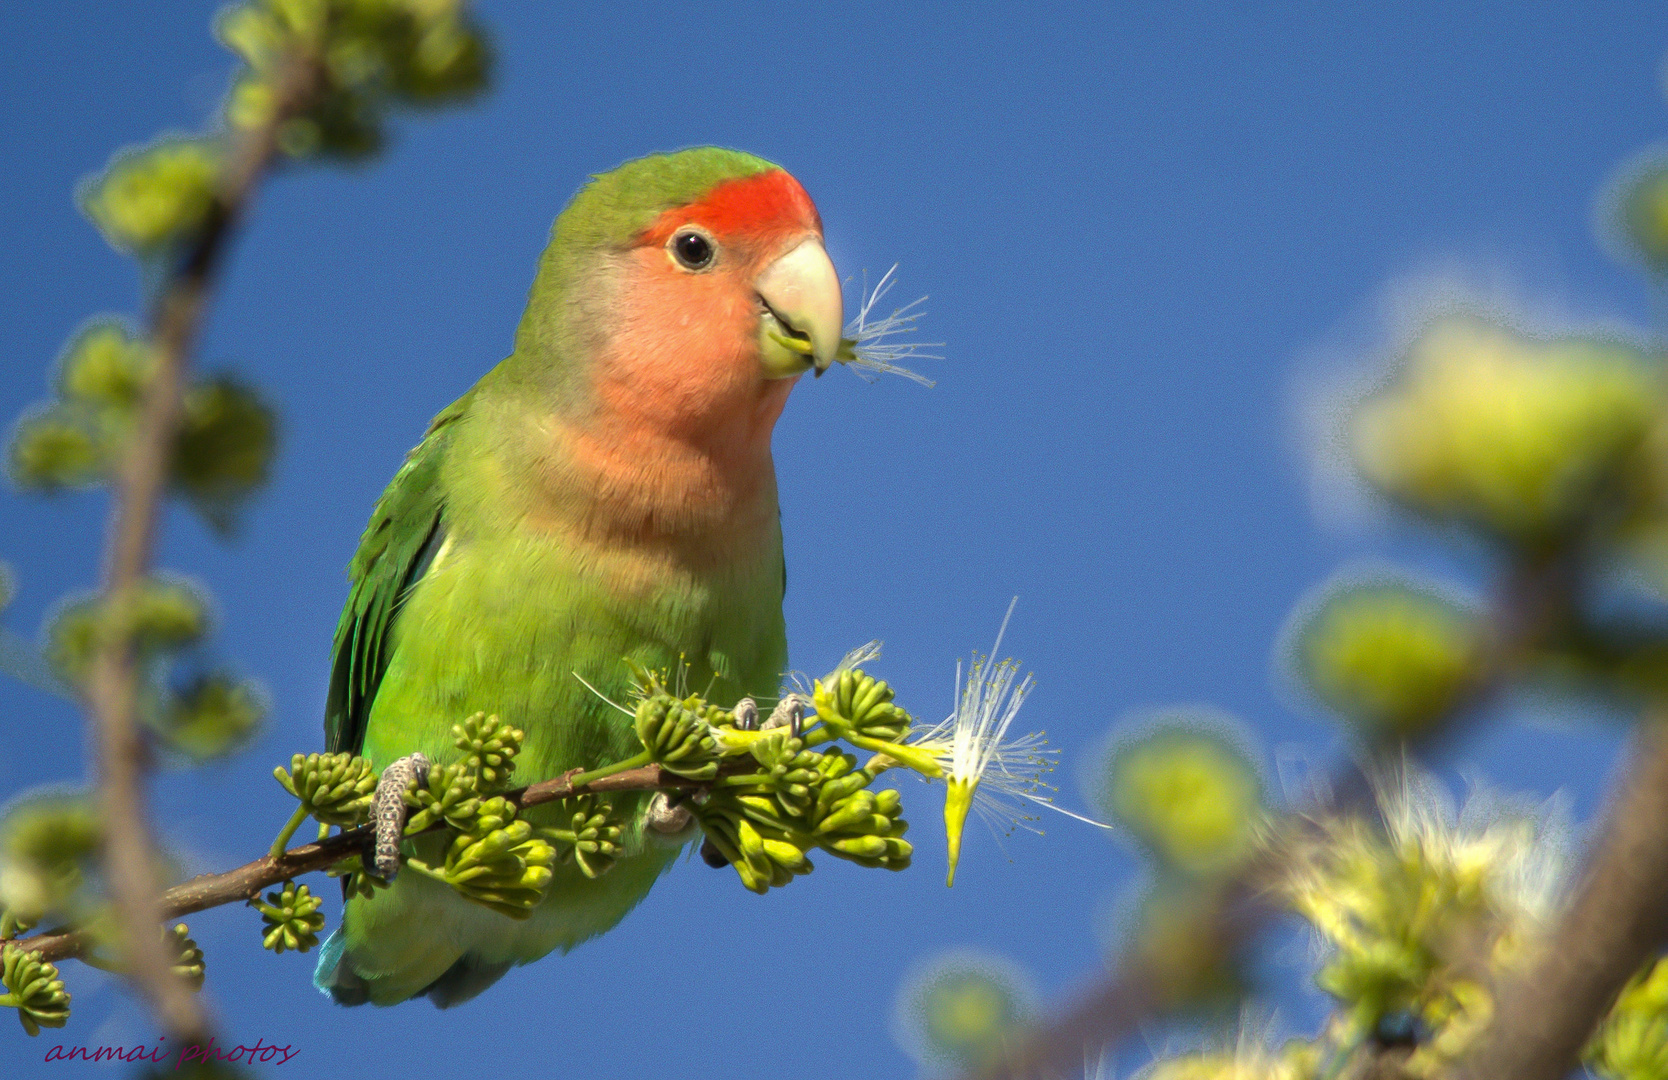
[316, 80]
[1632, 1044]
[152, 198]
[48, 843]
[222, 454]
[201, 716]
[371, 54]
[1525, 439]
[1633, 214]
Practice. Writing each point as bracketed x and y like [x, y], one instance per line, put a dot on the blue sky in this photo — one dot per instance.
[1148, 232]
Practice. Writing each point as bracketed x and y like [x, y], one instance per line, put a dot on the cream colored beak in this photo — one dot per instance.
[800, 326]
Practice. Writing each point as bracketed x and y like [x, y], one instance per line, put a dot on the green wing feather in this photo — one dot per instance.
[406, 527]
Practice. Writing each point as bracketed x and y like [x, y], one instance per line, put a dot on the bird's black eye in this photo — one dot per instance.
[692, 250]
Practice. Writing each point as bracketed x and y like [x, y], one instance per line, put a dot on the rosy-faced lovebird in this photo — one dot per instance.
[604, 497]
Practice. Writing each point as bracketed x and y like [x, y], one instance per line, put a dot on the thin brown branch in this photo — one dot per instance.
[1615, 922]
[246, 882]
[140, 486]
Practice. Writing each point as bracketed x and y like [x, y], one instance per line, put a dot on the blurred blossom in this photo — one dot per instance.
[47, 843]
[1185, 788]
[1632, 1043]
[150, 198]
[1389, 656]
[1514, 435]
[1247, 1061]
[957, 1011]
[1419, 915]
[1632, 212]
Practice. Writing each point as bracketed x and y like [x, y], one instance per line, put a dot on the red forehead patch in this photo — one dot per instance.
[757, 205]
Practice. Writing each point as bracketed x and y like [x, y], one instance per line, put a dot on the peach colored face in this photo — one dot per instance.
[720, 305]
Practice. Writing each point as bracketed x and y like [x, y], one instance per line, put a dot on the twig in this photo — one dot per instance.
[1616, 921]
[129, 853]
[246, 882]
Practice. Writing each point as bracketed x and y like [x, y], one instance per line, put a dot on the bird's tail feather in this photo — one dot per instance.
[334, 977]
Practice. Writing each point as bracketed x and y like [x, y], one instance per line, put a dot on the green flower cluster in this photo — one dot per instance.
[858, 708]
[33, 989]
[677, 737]
[500, 861]
[590, 839]
[453, 793]
[291, 918]
[765, 822]
[335, 789]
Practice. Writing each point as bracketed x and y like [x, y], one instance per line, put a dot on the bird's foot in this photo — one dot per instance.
[389, 811]
[712, 856]
[789, 713]
[666, 817]
[746, 714]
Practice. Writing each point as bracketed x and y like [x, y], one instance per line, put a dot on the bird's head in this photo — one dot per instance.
[687, 286]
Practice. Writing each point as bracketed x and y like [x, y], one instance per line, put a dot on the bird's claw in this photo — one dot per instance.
[388, 810]
[789, 713]
[747, 715]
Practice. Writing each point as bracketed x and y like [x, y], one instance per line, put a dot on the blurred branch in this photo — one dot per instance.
[1615, 922]
[246, 882]
[1532, 599]
[1143, 986]
[142, 481]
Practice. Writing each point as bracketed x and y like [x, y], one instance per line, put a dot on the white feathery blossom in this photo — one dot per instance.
[984, 769]
[866, 346]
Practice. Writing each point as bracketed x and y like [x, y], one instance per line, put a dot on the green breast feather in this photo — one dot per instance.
[450, 617]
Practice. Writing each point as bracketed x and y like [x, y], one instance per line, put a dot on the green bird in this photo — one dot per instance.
[605, 494]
